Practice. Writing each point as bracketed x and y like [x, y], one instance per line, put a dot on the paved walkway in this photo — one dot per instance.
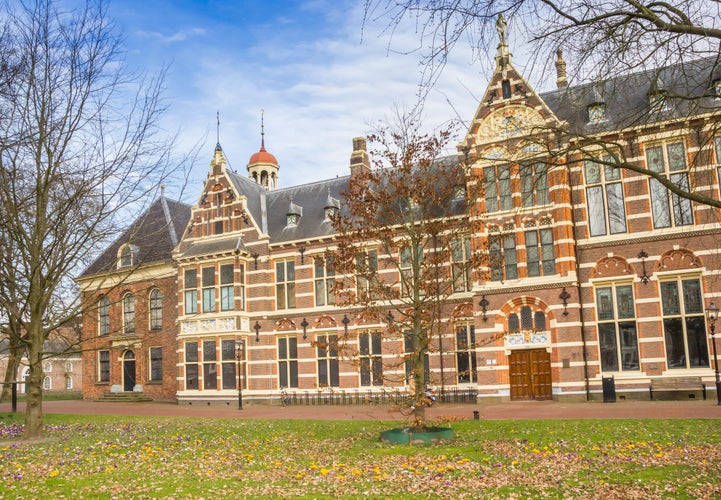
[486, 411]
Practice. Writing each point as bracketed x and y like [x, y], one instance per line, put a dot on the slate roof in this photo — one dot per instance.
[688, 86]
[155, 233]
[312, 200]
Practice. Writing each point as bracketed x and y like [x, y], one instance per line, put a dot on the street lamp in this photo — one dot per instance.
[239, 351]
[712, 315]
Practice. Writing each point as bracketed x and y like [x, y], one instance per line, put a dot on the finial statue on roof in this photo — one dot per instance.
[501, 28]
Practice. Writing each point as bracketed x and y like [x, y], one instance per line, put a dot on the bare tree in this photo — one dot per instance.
[405, 247]
[604, 41]
[80, 145]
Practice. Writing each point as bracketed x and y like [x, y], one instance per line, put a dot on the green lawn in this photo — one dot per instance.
[144, 457]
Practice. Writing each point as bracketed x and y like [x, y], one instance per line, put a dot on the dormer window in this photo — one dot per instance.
[717, 88]
[127, 256]
[330, 212]
[293, 215]
[657, 96]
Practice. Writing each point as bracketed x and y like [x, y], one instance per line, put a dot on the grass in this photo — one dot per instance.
[159, 457]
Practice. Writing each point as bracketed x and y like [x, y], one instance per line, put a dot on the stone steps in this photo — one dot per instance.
[124, 397]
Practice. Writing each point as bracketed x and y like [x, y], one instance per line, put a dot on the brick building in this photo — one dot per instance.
[593, 271]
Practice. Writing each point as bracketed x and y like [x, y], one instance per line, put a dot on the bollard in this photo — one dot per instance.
[476, 415]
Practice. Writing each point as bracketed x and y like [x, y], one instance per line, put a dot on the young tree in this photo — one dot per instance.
[602, 40]
[405, 245]
[79, 145]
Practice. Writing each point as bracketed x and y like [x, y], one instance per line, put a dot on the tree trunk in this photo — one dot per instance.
[34, 387]
[11, 372]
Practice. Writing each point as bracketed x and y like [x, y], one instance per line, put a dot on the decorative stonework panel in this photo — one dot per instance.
[611, 266]
[509, 121]
[528, 339]
[675, 260]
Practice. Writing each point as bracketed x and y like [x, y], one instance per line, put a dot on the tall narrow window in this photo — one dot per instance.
[502, 256]
[287, 362]
[285, 284]
[228, 362]
[617, 336]
[466, 367]
[371, 361]
[103, 316]
[539, 252]
[128, 313]
[210, 368]
[324, 271]
[497, 184]
[510, 262]
[327, 354]
[366, 273]
[103, 366]
[461, 264]
[156, 364]
[156, 310]
[208, 289]
[191, 291]
[684, 324]
[191, 366]
[534, 184]
[604, 198]
[669, 209]
[227, 288]
[406, 270]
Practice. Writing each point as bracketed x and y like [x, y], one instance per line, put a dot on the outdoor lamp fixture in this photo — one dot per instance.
[712, 315]
[239, 348]
[564, 298]
[304, 324]
[256, 327]
[389, 318]
[345, 322]
[484, 307]
[644, 277]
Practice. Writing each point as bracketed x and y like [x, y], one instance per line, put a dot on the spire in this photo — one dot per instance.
[217, 131]
[262, 129]
[503, 57]
[561, 81]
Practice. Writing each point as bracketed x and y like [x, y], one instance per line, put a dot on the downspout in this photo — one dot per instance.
[578, 287]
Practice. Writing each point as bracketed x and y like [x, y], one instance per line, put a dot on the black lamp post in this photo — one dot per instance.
[239, 350]
[712, 315]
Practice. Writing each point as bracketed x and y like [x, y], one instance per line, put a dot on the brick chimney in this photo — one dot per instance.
[561, 81]
[359, 160]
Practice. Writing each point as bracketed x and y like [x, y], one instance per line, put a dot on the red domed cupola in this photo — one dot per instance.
[263, 166]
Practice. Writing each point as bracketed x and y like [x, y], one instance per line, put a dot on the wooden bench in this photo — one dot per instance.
[689, 385]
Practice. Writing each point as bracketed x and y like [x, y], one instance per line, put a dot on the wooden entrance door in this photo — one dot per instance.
[530, 374]
[128, 371]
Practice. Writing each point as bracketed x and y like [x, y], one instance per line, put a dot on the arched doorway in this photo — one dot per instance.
[128, 371]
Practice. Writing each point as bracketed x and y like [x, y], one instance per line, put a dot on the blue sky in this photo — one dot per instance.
[320, 79]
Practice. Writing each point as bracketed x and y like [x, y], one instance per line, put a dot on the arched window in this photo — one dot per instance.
[69, 383]
[529, 320]
[68, 367]
[156, 310]
[128, 313]
[103, 316]
[48, 367]
[47, 385]
[127, 256]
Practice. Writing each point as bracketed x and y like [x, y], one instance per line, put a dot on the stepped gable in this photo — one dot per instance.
[153, 233]
[688, 88]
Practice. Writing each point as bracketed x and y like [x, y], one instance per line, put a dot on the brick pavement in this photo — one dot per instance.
[486, 411]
